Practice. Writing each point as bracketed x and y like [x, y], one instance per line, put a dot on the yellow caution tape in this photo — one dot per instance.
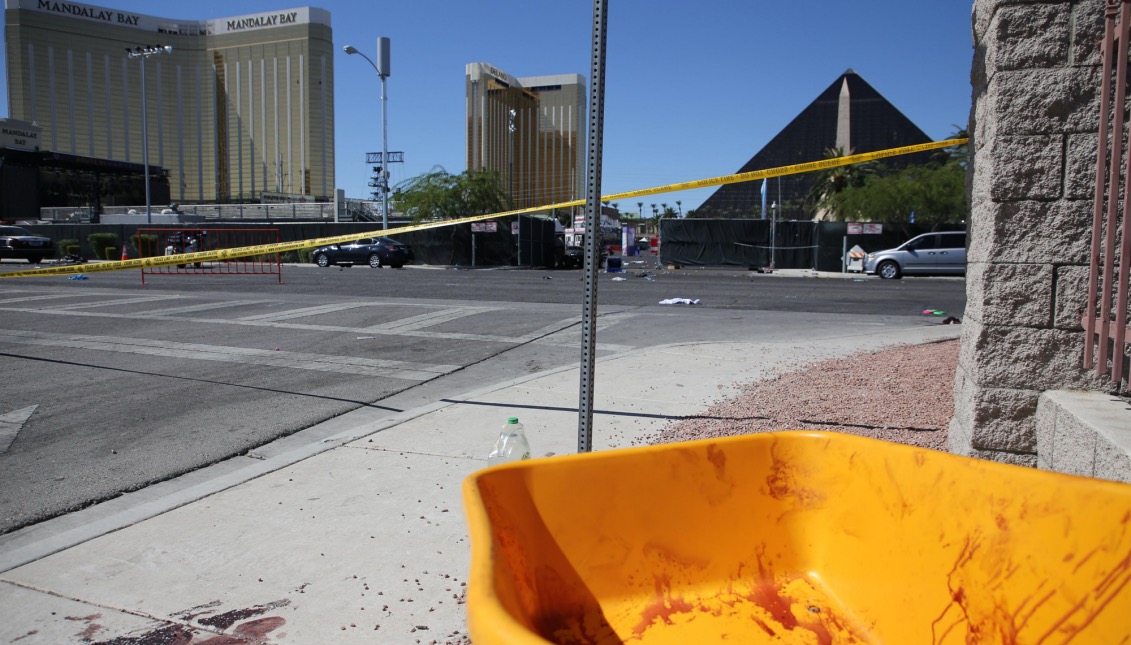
[281, 247]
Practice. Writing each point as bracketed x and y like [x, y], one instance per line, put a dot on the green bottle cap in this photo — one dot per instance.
[512, 420]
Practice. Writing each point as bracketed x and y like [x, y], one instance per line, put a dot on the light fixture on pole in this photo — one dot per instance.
[382, 69]
[144, 52]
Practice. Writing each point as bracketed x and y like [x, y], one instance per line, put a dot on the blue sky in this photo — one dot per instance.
[692, 89]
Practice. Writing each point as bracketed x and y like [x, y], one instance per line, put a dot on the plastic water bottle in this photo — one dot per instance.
[511, 444]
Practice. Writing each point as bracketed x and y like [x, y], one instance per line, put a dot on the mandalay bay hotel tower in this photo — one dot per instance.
[240, 108]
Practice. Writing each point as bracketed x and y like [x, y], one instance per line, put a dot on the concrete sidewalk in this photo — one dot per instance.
[358, 537]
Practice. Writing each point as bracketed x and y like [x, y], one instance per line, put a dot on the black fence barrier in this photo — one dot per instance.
[448, 245]
[796, 244]
[739, 242]
[686, 242]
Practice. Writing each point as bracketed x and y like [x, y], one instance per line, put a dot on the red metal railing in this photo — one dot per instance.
[1105, 320]
[151, 242]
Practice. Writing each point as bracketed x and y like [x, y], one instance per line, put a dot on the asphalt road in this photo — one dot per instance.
[109, 385]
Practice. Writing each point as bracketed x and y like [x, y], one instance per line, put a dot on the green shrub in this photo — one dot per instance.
[64, 246]
[304, 255]
[111, 253]
[99, 242]
[146, 245]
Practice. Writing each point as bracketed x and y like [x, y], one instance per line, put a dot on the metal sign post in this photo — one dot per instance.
[592, 227]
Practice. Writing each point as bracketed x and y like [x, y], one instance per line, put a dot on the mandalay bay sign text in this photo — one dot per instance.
[108, 16]
[268, 20]
[88, 12]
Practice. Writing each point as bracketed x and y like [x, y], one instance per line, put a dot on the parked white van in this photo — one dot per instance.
[928, 254]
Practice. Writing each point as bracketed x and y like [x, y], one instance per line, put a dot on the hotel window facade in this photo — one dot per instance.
[530, 130]
[242, 109]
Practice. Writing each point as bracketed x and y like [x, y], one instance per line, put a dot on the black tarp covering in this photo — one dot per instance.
[536, 242]
[737, 242]
[533, 246]
[453, 245]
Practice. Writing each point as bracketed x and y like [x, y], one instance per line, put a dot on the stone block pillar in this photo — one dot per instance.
[1035, 114]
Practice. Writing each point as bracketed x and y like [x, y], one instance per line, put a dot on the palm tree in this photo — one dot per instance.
[955, 154]
[831, 181]
[679, 203]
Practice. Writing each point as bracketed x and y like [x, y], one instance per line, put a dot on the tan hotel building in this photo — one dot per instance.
[243, 107]
[530, 130]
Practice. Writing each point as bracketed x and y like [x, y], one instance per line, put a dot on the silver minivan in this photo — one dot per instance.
[928, 254]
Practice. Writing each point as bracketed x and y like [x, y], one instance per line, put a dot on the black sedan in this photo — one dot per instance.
[374, 251]
[22, 244]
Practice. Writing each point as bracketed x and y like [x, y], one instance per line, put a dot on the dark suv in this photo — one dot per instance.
[22, 244]
[374, 251]
[574, 258]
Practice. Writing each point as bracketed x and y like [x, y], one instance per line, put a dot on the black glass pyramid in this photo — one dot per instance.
[849, 112]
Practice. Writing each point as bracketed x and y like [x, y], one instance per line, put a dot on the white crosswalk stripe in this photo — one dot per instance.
[112, 303]
[558, 332]
[207, 306]
[12, 301]
[195, 351]
[304, 312]
[420, 321]
[11, 424]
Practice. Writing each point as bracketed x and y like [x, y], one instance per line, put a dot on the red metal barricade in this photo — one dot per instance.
[1106, 318]
[153, 242]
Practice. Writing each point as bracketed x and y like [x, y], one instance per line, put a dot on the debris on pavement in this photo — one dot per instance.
[78, 276]
[66, 260]
[680, 301]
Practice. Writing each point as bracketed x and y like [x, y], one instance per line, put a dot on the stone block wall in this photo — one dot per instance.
[1033, 125]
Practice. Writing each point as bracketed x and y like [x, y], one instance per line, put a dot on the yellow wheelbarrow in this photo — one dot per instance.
[794, 537]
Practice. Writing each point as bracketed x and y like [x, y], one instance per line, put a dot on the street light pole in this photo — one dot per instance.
[382, 69]
[144, 53]
[384, 151]
[773, 233]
